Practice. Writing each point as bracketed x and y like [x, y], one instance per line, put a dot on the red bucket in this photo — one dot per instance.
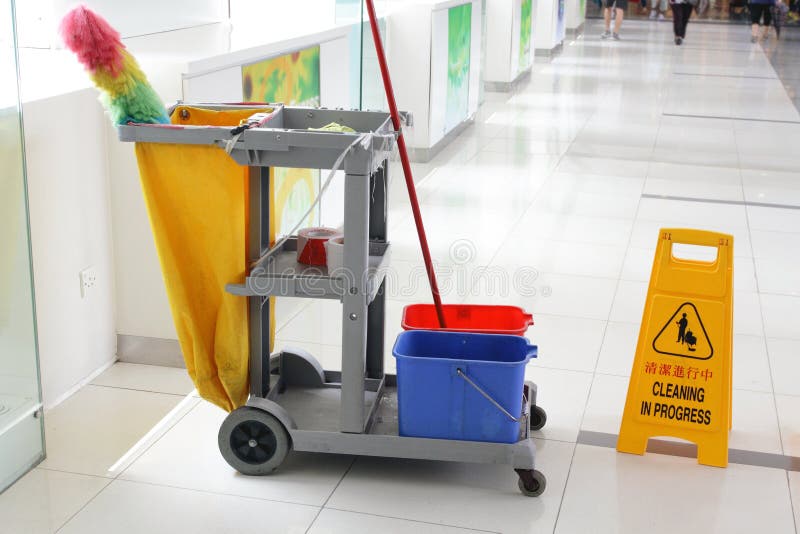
[477, 318]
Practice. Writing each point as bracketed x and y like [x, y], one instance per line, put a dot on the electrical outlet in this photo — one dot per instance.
[88, 281]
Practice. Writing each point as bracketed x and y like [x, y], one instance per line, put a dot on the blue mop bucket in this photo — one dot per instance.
[461, 386]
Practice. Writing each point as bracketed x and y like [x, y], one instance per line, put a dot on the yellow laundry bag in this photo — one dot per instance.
[196, 198]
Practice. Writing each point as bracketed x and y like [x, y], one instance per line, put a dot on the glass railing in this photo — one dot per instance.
[21, 434]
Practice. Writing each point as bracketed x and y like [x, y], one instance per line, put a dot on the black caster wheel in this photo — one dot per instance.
[252, 441]
[531, 482]
[538, 418]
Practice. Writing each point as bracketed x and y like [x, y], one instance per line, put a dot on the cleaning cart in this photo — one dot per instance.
[293, 402]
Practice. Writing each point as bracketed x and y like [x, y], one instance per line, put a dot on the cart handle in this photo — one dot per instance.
[488, 397]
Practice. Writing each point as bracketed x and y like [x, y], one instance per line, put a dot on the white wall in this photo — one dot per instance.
[546, 34]
[475, 82]
[499, 36]
[409, 58]
[70, 217]
[575, 14]
[38, 20]
[417, 58]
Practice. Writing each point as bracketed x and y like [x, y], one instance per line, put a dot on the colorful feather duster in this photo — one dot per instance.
[127, 94]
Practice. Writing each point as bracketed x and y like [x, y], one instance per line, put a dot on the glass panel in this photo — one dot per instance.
[21, 435]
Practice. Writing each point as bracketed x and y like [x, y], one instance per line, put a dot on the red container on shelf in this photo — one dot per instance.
[484, 319]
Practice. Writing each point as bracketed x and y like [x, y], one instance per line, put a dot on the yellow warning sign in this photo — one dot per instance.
[680, 383]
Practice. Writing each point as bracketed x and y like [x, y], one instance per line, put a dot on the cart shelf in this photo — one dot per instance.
[288, 139]
[317, 430]
[282, 276]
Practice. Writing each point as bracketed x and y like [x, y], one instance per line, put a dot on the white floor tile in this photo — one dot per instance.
[341, 522]
[605, 150]
[770, 162]
[146, 378]
[744, 274]
[755, 423]
[455, 493]
[721, 158]
[562, 395]
[552, 256]
[779, 276]
[685, 175]
[566, 342]
[573, 228]
[538, 165]
[771, 194]
[638, 264]
[751, 367]
[191, 453]
[747, 310]
[698, 190]
[130, 508]
[286, 308]
[788, 407]
[783, 360]
[320, 322]
[43, 500]
[554, 294]
[594, 183]
[629, 302]
[773, 219]
[597, 165]
[527, 146]
[685, 214]
[446, 229]
[467, 188]
[590, 204]
[606, 403]
[92, 430]
[619, 349]
[771, 186]
[794, 488]
[780, 316]
[622, 493]
[776, 245]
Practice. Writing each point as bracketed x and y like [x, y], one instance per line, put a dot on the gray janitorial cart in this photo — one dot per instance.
[295, 404]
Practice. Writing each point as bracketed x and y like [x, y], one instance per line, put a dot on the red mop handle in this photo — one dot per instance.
[401, 145]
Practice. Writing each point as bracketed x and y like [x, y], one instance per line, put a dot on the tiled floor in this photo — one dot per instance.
[562, 187]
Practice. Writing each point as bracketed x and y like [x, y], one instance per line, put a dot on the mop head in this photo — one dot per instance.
[127, 95]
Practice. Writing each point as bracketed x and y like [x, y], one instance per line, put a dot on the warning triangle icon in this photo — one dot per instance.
[684, 335]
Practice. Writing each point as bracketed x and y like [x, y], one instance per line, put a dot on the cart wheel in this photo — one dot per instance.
[531, 482]
[538, 417]
[252, 441]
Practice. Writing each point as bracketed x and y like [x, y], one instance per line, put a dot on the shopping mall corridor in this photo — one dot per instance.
[562, 185]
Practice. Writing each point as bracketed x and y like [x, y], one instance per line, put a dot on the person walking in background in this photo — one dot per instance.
[681, 13]
[779, 12]
[658, 10]
[760, 9]
[620, 6]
